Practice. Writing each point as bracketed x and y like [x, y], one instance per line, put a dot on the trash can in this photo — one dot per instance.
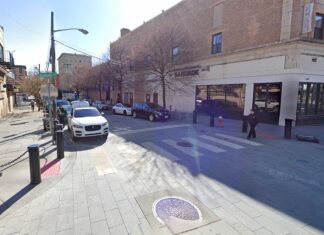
[288, 128]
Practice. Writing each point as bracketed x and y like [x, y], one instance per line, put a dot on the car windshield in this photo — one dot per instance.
[79, 113]
[154, 106]
[62, 102]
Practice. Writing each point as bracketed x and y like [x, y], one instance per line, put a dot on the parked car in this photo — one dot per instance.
[151, 111]
[100, 105]
[120, 108]
[86, 122]
[66, 105]
[79, 104]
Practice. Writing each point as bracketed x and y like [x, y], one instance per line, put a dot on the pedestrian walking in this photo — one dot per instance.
[61, 113]
[253, 121]
[32, 105]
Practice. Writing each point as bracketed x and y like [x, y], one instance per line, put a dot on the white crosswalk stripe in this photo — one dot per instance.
[157, 149]
[239, 140]
[209, 147]
[222, 142]
[189, 151]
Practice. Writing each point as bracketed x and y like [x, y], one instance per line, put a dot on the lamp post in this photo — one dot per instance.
[52, 50]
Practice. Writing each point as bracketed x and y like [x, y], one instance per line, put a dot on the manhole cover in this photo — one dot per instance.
[167, 208]
[184, 144]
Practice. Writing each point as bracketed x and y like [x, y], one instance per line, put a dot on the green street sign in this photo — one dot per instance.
[48, 75]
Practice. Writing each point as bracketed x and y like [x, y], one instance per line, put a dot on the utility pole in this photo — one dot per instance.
[52, 43]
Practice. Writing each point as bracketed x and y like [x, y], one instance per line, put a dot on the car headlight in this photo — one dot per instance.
[77, 126]
[105, 124]
[157, 113]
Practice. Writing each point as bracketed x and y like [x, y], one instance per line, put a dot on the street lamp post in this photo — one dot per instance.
[52, 50]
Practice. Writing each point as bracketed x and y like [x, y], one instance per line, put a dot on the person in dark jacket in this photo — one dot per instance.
[253, 121]
[61, 113]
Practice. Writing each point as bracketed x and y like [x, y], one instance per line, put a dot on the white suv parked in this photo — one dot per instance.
[86, 122]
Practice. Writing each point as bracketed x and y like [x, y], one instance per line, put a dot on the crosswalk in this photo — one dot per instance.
[202, 144]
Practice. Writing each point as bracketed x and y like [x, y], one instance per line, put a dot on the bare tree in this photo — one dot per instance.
[160, 59]
[32, 86]
[119, 65]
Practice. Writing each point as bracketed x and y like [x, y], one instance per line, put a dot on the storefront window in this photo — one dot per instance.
[223, 100]
[310, 99]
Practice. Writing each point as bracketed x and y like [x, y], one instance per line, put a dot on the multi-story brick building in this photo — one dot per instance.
[262, 54]
[19, 71]
[6, 80]
[69, 65]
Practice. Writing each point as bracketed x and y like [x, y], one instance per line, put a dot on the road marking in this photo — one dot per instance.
[222, 142]
[212, 148]
[189, 151]
[239, 140]
[149, 129]
[157, 149]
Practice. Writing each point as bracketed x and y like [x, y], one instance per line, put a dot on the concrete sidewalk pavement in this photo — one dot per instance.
[107, 188]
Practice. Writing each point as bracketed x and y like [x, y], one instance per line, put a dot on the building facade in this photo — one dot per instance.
[238, 55]
[20, 72]
[6, 78]
[69, 65]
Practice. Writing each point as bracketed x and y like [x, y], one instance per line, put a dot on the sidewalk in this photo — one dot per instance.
[108, 188]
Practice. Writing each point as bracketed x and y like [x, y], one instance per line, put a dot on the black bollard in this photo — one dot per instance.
[194, 117]
[56, 122]
[212, 119]
[245, 124]
[34, 164]
[60, 144]
[288, 128]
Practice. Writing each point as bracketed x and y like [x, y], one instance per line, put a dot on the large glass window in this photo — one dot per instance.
[319, 26]
[223, 100]
[310, 99]
[175, 54]
[217, 43]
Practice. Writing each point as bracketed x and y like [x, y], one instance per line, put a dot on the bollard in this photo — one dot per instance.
[220, 121]
[212, 120]
[34, 164]
[60, 144]
[59, 127]
[288, 128]
[56, 122]
[245, 124]
[194, 117]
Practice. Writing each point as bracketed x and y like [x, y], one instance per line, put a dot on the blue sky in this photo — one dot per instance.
[27, 24]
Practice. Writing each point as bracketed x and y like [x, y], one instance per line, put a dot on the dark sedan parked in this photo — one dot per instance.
[151, 111]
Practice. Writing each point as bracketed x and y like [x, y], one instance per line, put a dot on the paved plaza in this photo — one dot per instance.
[229, 185]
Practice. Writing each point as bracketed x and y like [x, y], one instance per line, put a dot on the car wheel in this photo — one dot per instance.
[105, 136]
[69, 127]
[151, 118]
[134, 115]
[125, 112]
[114, 112]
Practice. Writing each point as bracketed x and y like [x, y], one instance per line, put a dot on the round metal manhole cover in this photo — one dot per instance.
[167, 207]
[184, 144]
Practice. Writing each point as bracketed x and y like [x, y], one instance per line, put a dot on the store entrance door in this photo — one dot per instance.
[266, 102]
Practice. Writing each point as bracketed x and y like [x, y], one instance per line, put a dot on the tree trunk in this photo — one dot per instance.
[163, 92]
[120, 91]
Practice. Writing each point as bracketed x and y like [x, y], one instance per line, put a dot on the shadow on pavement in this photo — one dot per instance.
[265, 175]
[7, 204]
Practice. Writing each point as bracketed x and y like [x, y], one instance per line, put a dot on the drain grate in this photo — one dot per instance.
[166, 208]
[184, 144]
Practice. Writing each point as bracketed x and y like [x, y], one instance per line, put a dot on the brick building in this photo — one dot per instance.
[19, 71]
[6, 78]
[238, 55]
[68, 65]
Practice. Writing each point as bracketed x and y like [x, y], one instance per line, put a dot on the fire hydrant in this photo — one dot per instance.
[220, 121]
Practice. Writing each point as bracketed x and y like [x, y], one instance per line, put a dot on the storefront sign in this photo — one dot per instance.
[187, 73]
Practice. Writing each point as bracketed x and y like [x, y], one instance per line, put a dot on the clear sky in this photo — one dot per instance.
[27, 25]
